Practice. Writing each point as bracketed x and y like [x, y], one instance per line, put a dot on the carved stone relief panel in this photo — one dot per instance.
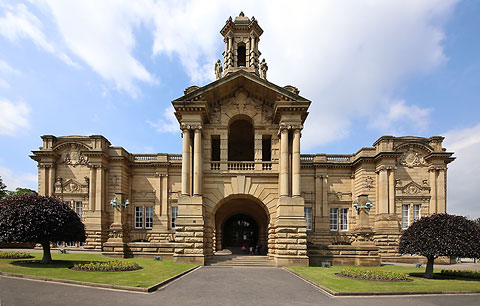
[73, 156]
[412, 158]
[71, 186]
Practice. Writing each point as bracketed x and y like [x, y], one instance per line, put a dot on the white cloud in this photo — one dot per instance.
[462, 175]
[101, 33]
[167, 124]
[19, 23]
[14, 117]
[5, 68]
[400, 117]
[348, 57]
[14, 180]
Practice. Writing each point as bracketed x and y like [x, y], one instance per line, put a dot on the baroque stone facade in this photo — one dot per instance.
[241, 178]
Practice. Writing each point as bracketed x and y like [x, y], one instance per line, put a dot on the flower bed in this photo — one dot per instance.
[14, 255]
[376, 275]
[461, 273]
[107, 266]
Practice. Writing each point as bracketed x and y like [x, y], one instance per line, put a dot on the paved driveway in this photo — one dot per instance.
[208, 286]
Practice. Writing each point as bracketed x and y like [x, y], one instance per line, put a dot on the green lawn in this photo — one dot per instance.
[153, 271]
[327, 278]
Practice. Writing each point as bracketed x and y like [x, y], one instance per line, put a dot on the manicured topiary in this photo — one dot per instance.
[107, 266]
[38, 219]
[371, 274]
[441, 235]
[14, 255]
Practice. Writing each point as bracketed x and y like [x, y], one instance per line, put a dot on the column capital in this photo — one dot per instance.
[384, 168]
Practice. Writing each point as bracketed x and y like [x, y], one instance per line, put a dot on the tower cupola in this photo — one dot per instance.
[241, 37]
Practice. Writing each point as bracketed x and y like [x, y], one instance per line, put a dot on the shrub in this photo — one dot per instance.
[462, 273]
[14, 255]
[107, 266]
[374, 274]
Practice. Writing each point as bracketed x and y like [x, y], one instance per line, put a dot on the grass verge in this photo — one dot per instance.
[327, 278]
[152, 273]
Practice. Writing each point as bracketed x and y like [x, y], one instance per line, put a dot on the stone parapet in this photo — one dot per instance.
[344, 255]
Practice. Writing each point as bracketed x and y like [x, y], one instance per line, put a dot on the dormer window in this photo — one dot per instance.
[242, 56]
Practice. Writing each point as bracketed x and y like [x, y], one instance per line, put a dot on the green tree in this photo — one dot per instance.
[441, 235]
[20, 191]
[3, 190]
[39, 219]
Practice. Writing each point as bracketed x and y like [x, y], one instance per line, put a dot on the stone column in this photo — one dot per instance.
[100, 189]
[391, 191]
[223, 151]
[164, 201]
[433, 190]
[325, 196]
[197, 162]
[382, 191]
[284, 162]
[318, 196]
[91, 188]
[51, 180]
[186, 162]
[296, 190]
[441, 192]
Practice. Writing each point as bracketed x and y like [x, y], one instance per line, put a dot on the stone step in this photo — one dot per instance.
[235, 260]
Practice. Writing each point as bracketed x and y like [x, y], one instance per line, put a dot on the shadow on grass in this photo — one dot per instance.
[54, 264]
[438, 276]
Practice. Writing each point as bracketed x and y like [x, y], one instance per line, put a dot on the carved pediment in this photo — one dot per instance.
[70, 186]
[412, 189]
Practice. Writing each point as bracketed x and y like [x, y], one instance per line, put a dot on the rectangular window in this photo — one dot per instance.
[78, 208]
[334, 219]
[148, 217]
[174, 215]
[308, 217]
[215, 148]
[416, 212]
[405, 215]
[138, 216]
[344, 219]
[267, 148]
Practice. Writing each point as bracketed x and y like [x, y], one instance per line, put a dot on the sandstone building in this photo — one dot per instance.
[241, 177]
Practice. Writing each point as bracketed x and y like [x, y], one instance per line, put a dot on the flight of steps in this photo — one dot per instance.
[235, 260]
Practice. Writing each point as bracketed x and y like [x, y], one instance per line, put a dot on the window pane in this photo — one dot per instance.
[138, 216]
[174, 215]
[78, 208]
[149, 217]
[405, 211]
[416, 212]
[308, 217]
[344, 219]
[334, 219]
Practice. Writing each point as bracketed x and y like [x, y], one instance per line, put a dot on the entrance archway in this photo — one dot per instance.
[239, 221]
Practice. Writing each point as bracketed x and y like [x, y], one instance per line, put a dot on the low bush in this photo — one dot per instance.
[14, 255]
[107, 266]
[374, 274]
[461, 273]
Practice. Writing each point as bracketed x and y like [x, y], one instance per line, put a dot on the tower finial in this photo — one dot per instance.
[241, 14]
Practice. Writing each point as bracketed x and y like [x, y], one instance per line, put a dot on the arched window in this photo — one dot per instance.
[240, 141]
[241, 56]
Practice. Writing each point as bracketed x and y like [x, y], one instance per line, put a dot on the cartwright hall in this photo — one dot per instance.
[241, 181]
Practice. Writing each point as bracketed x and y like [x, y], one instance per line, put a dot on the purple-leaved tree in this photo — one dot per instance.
[39, 219]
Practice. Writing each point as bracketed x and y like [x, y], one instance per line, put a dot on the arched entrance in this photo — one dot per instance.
[241, 221]
[240, 230]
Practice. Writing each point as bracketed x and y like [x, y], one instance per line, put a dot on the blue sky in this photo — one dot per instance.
[371, 68]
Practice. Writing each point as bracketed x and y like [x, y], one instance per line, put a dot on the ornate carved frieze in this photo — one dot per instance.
[74, 157]
[412, 158]
[369, 183]
[340, 196]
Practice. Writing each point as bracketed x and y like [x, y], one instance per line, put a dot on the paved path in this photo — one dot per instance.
[208, 286]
